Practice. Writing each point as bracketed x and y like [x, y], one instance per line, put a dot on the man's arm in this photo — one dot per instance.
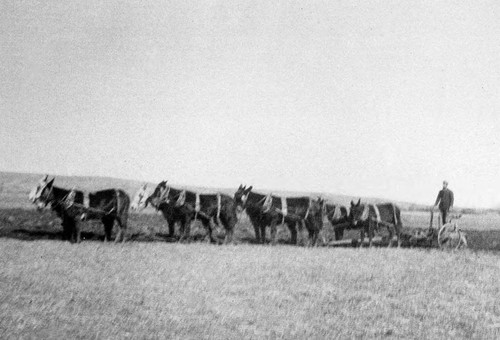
[452, 199]
[438, 198]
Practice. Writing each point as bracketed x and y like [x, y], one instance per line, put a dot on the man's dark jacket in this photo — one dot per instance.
[445, 199]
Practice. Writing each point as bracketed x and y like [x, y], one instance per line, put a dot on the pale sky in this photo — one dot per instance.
[366, 98]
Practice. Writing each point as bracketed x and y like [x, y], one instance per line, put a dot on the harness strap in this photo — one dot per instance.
[118, 200]
[267, 203]
[218, 205]
[197, 203]
[284, 210]
[396, 222]
[164, 194]
[69, 200]
[377, 213]
[366, 213]
[182, 199]
[284, 207]
[196, 206]
[308, 209]
[86, 200]
[337, 214]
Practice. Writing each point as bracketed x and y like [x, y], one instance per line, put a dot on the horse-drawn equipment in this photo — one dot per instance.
[443, 236]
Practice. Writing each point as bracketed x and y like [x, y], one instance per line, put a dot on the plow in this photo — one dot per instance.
[437, 235]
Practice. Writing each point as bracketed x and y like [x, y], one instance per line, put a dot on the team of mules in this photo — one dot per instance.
[182, 207]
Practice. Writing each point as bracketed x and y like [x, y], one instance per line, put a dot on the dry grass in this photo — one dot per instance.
[51, 289]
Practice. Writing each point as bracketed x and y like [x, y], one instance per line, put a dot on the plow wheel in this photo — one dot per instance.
[450, 237]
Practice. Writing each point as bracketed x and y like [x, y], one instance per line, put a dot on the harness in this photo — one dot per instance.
[219, 201]
[69, 202]
[394, 213]
[268, 202]
[308, 209]
[182, 199]
[164, 195]
[337, 213]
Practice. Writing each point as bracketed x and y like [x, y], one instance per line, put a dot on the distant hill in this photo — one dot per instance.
[15, 187]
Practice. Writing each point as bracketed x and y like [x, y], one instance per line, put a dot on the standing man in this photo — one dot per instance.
[445, 199]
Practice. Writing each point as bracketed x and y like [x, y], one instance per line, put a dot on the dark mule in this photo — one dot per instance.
[370, 216]
[338, 216]
[268, 210]
[107, 205]
[45, 192]
[186, 206]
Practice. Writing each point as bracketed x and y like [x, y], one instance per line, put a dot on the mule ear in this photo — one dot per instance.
[51, 182]
[249, 188]
[352, 203]
[359, 202]
[240, 187]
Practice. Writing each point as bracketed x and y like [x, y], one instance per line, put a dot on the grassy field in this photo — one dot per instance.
[151, 287]
[52, 289]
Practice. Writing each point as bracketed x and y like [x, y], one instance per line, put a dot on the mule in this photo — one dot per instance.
[45, 193]
[107, 205]
[338, 216]
[268, 210]
[184, 206]
[370, 216]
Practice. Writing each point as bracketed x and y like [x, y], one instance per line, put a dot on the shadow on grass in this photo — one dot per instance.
[30, 225]
[40, 234]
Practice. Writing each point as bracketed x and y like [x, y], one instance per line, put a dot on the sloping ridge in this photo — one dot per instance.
[15, 187]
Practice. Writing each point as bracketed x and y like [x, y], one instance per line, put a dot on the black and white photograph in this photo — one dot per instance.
[249, 169]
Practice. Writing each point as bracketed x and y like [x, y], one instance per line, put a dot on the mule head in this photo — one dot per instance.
[42, 192]
[241, 195]
[357, 212]
[140, 200]
[160, 195]
[317, 208]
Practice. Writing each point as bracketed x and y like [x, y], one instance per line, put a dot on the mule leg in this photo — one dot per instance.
[171, 226]
[78, 232]
[182, 230]
[370, 234]
[362, 236]
[273, 232]
[123, 229]
[398, 234]
[186, 228]
[339, 233]
[71, 230]
[262, 233]
[292, 226]
[256, 228]
[391, 235]
[229, 225]
[310, 234]
[208, 227]
[66, 224]
[108, 227]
